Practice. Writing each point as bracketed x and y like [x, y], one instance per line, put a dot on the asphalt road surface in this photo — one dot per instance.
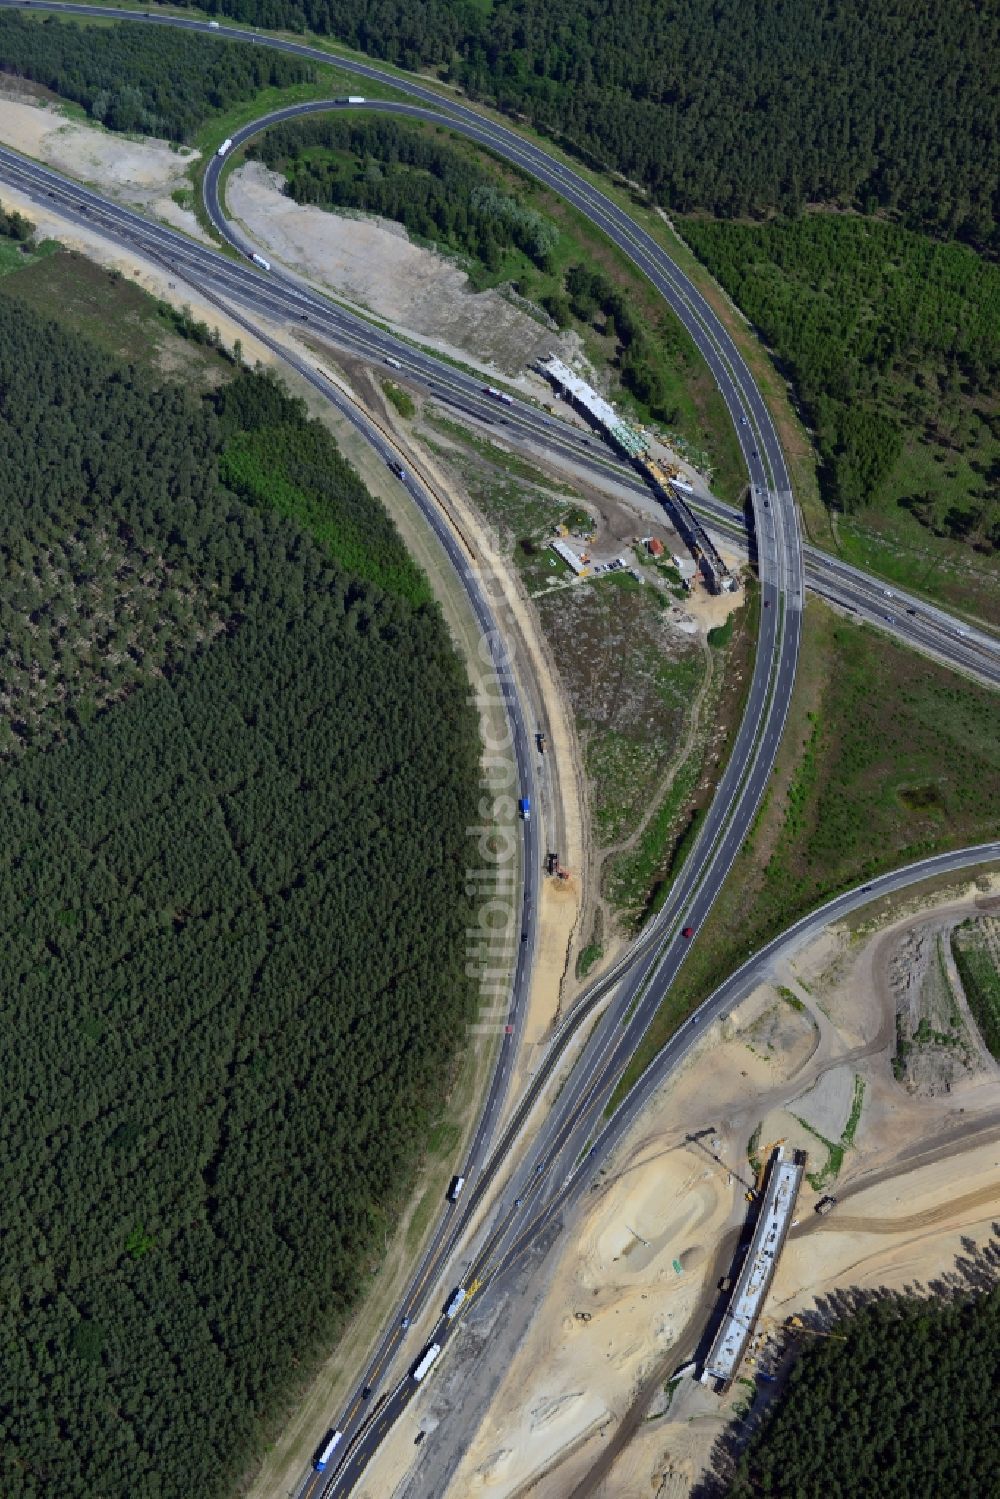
[963, 646]
[780, 565]
[920, 625]
[575, 1142]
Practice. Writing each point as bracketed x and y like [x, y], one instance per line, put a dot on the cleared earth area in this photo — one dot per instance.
[586, 1406]
[372, 264]
[142, 173]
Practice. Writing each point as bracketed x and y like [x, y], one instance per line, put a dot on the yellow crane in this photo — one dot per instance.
[796, 1324]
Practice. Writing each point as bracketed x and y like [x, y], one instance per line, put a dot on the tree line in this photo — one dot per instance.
[14, 225]
[871, 104]
[131, 77]
[719, 105]
[232, 900]
[890, 339]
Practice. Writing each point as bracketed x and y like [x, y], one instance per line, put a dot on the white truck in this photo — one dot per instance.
[225, 146]
[265, 265]
[454, 1191]
[355, 99]
[327, 1450]
[423, 1365]
[213, 25]
[455, 1304]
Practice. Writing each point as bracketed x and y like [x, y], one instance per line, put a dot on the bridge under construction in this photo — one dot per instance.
[754, 1280]
[666, 484]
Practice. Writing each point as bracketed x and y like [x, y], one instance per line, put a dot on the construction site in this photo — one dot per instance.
[599, 1399]
[777, 1205]
[670, 489]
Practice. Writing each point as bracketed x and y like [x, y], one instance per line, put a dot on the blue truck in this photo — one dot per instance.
[524, 807]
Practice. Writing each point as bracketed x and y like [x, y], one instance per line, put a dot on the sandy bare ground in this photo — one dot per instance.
[633, 1289]
[371, 263]
[140, 173]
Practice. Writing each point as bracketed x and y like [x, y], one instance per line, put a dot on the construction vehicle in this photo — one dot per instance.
[552, 866]
[541, 740]
[659, 474]
[825, 1205]
[754, 1192]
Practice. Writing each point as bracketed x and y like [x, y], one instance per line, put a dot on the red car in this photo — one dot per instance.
[688, 931]
[509, 1030]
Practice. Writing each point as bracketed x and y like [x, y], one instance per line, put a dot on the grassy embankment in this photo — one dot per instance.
[976, 949]
[638, 880]
[886, 758]
[17, 257]
[116, 315]
[631, 682]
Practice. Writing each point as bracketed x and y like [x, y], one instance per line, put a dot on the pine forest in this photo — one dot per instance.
[235, 788]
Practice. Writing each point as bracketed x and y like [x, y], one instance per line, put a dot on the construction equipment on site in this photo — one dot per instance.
[553, 867]
[754, 1192]
[697, 1140]
[825, 1205]
[541, 740]
[665, 479]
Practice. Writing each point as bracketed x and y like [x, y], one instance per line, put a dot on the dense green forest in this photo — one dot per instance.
[735, 106]
[902, 1402]
[893, 344]
[723, 105]
[235, 800]
[129, 77]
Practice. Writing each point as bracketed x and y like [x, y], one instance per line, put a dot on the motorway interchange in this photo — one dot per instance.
[570, 1140]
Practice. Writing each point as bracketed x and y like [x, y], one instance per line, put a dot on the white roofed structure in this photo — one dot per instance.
[754, 1280]
[596, 407]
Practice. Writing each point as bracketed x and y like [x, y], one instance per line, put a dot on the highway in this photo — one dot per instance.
[573, 1144]
[653, 965]
[920, 625]
[726, 824]
[779, 564]
[926, 628]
